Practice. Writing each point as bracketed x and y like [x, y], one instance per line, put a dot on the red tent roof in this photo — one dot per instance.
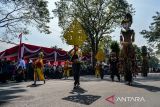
[31, 51]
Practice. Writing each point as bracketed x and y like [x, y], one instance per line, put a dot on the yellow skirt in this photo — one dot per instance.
[97, 73]
[66, 73]
[38, 73]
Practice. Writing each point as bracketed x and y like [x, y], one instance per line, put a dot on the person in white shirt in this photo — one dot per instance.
[22, 67]
[22, 64]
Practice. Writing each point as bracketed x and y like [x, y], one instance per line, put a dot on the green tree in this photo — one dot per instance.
[138, 53]
[115, 47]
[98, 17]
[85, 48]
[105, 42]
[17, 15]
[56, 47]
[153, 62]
[158, 47]
[153, 34]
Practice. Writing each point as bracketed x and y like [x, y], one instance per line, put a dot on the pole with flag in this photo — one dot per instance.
[20, 37]
[19, 51]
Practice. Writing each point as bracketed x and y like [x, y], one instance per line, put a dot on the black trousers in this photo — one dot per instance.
[76, 73]
[128, 72]
[113, 73]
[101, 73]
[128, 76]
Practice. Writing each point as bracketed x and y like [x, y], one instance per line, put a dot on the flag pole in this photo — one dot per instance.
[19, 51]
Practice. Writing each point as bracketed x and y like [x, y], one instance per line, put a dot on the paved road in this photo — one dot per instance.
[93, 93]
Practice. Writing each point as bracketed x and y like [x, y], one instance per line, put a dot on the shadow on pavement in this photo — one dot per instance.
[148, 79]
[2, 102]
[32, 85]
[147, 87]
[82, 99]
[78, 90]
[9, 84]
[8, 94]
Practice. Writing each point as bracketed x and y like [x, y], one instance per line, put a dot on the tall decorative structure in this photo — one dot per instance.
[127, 54]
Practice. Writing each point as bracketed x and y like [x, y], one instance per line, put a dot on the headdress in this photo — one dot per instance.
[127, 18]
[41, 54]
[127, 21]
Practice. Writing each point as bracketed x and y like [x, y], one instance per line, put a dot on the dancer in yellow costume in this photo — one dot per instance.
[66, 69]
[97, 73]
[38, 71]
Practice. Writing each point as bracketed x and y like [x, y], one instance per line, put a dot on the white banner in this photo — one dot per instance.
[48, 54]
[61, 54]
[2, 54]
[28, 50]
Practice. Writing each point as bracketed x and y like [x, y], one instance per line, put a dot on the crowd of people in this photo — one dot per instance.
[38, 70]
[24, 70]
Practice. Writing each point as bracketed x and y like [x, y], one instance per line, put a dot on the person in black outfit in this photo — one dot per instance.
[76, 66]
[4, 70]
[30, 70]
[113, 60]
[101, 70]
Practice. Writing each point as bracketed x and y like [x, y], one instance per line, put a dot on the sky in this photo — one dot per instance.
[145, 9]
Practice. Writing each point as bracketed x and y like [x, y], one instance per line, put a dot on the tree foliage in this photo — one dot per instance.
[98, 17]
[85, 48]
[17, 15]
[115, 47]
[153, 62]
[104, 45]
[137, 52]
[56, 47]
[153, 34]
[105, 42]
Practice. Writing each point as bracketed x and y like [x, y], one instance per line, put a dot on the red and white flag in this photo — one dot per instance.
[19, 51]
[20, 35]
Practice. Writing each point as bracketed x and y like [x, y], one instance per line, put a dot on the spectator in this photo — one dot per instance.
[22, 67]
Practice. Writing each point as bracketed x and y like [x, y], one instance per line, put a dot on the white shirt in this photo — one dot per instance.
[22, 64]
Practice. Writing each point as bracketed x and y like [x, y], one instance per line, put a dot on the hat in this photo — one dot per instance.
[127, 19]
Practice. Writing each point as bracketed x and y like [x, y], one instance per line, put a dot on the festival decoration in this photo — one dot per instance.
[128, 54]
[31, 51]
[75, 34]
[100, 56]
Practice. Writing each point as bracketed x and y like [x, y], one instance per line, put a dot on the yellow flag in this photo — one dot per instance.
[75, 34]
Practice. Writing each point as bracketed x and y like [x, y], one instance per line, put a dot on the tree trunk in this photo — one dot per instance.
[93, 60]
[94, 52]
[93, 55]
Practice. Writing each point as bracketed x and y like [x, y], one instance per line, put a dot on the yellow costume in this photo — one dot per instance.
[66, 69]
[97, 73]
[38, 71]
